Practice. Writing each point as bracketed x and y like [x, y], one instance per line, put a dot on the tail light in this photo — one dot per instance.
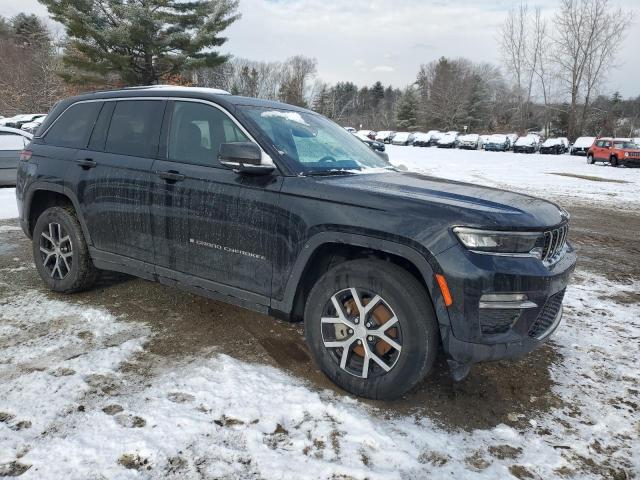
[25, 155]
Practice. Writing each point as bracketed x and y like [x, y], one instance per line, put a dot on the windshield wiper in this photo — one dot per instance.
[323, 173]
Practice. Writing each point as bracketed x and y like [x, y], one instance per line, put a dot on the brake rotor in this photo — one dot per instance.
[379, 315]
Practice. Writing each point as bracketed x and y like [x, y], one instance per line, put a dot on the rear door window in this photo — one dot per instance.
[73, 127]
[135, 128]
[196, 132]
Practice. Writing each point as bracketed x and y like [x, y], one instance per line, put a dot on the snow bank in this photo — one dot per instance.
[8, 206]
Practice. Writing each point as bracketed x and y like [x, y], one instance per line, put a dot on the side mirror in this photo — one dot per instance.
[243, 157]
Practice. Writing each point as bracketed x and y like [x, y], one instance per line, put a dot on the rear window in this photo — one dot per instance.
[12, 141]
[135, 127]
[73, 127]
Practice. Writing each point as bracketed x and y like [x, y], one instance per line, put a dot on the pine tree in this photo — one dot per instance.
[28, 30]
[407, 115]
[140, 41]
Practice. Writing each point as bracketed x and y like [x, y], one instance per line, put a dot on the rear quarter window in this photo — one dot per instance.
[73, 127]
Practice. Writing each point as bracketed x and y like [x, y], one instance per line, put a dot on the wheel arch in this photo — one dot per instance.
[326, 249]
[43, 195]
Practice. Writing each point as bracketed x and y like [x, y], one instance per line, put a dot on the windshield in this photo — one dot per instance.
[314, 144]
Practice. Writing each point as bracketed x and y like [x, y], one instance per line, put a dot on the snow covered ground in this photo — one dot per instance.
[563, 177]
[8, 207]
[70, 409]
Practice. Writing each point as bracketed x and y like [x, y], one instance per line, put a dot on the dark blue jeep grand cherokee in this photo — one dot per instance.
[279, 210]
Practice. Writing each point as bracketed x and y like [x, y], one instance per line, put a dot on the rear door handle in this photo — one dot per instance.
[171, 176]
[86, 163]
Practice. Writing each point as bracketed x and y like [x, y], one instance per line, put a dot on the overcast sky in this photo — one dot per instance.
[368, 40]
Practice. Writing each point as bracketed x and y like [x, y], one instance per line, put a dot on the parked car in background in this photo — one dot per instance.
[435, 137]
[403, 138]
[497, 143]
[372, 144]
[566, 143]
[513, 137]
[449, 140]
[582, 145]
[370, 134]
[553, 146]
[421, 139]
[527, 144]
[616, 151]
[385, 136]
[470, 141]
[31, 127]
[19, 120]
[12, 142]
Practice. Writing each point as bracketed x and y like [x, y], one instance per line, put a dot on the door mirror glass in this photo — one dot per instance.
[245, 157]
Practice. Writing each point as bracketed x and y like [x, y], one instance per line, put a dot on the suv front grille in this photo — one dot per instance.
[554, 242]
[547, 315]
[634, 154]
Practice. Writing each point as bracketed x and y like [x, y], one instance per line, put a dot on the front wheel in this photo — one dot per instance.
[60, 251]
[371, 328]
[614, 161]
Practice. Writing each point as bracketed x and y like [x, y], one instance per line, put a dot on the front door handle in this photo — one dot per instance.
[171, 176]
[86, 163]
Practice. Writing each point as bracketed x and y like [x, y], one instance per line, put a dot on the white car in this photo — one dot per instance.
[370, 134]
[582, 145]
[527, 144]
[31, 127]
[12, 142]
[385, 136]
[470, 141]
[449, 140]
[422, 139]
[565, 142]
[18, 120]
[497, 143]
[402, 138]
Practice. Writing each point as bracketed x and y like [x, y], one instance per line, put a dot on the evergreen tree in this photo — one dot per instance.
[140, 41]
[407, 115]
[28, 30]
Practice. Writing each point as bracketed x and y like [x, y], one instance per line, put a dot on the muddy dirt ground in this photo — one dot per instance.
[495, 393]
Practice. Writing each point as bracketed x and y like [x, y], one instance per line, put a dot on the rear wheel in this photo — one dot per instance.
[590, 159]
[371, 328]
[60, 251]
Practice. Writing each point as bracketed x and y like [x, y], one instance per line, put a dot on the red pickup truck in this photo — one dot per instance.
[616, 151]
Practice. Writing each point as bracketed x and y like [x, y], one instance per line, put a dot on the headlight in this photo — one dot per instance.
[514, 243]
[626, 154]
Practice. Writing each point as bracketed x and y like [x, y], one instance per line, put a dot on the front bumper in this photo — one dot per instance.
[476, 334]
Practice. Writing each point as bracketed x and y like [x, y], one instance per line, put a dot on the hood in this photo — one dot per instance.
[465, 203]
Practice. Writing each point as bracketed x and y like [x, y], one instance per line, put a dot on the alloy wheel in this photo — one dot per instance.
[361, 332]
[56, 251]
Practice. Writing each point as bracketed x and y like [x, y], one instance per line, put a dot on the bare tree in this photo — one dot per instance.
[520, 56]
[588, 36]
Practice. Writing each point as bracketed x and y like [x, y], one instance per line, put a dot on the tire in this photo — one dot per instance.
[590, 159]
[402, 297]
[67, 268]
[614, 161]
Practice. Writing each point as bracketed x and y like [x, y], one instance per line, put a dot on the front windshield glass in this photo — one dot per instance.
[315, 145]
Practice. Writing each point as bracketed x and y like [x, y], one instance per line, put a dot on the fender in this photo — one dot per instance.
[57, 188]
[423, 260]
